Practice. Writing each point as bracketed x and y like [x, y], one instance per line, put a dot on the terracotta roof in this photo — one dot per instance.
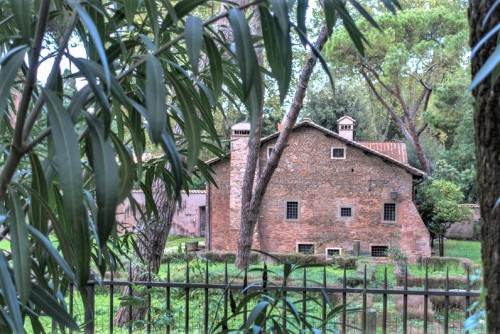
[396, 150]
[308, 122]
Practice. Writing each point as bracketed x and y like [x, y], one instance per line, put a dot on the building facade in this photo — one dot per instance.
[189, 217]
[327, 194]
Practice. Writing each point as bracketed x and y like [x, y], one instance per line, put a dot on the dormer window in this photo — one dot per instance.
[338, 152]
[269, 151]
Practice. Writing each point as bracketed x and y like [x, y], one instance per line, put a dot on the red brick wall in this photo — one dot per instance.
[307, 173]
[221, 236]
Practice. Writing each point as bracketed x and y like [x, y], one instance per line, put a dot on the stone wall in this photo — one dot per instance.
[187, 216]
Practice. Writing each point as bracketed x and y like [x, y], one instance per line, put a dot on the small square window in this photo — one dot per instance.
[331, 252]
[338, 153]
[292, 210]
[305, 248]
[269, 151]
[390, 212]
[345, 212]
[379, 251]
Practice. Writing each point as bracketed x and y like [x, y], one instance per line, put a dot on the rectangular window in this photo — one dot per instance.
[331, 252]
[390, 212]
[269, 151]
[345, 212]
[379, 251]
[292, 210]
[305, 248]
[338, 152]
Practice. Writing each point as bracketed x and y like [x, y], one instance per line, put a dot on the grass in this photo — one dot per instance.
[463, 248]
[176, 241]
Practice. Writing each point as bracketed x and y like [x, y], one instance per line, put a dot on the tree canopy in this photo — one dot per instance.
[411, 52]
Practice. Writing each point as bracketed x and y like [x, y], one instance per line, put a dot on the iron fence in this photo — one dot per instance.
[197, 304]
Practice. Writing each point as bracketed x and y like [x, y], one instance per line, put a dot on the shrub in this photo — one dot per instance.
[221, 257]
[454, 302]
[415, 307]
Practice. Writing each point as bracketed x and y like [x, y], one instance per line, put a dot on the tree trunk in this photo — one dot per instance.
[151, 243]
[487, 126]
[252, 197]
[441, 245]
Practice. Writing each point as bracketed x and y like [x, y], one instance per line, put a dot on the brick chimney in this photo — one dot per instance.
[346, 127]
[240, 133]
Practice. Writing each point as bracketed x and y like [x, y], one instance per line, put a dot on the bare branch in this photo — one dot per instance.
[422, 129]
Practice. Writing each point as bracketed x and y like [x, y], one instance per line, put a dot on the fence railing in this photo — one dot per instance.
[198, 302]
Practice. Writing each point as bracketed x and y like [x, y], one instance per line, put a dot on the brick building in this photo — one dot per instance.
[327, 193]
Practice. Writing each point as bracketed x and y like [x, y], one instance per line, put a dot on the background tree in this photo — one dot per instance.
[413, 50]
[327, 105]
[484, 17]
[440, 208]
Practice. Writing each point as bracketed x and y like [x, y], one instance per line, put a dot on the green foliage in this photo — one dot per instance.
[450, 104]
[438, 204]
[326, 106]
[408, 43]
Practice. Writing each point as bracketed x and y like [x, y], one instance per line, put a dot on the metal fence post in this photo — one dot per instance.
[90, 308]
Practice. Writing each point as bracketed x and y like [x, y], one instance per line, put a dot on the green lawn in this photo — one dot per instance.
[462, 248]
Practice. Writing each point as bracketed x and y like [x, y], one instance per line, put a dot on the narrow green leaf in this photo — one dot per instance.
[127, 168]
[88, 73]
[20, 247]
[280, 10]
[216, 71]
[8, 73]
[318, 54]
[53, 252]
[391, 5]
[153, 19]
[279, 52]
[170, 10]
[64, 242]
[22, 14]
[95, 35]
[486, 69]
[194, 39]
[155, 98]
[40, 219]
[349, 24]
[14, 319]
[256, 311]
[247, 60]
[483, 40]
[107, 179]
[191, 127]
[181, 9]
[301, 19]
[170, 149]
[69, 171]
[330, 15]
[78, 102]
[49, 305]
[130, 10]
[95, 13]
[365, 14]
